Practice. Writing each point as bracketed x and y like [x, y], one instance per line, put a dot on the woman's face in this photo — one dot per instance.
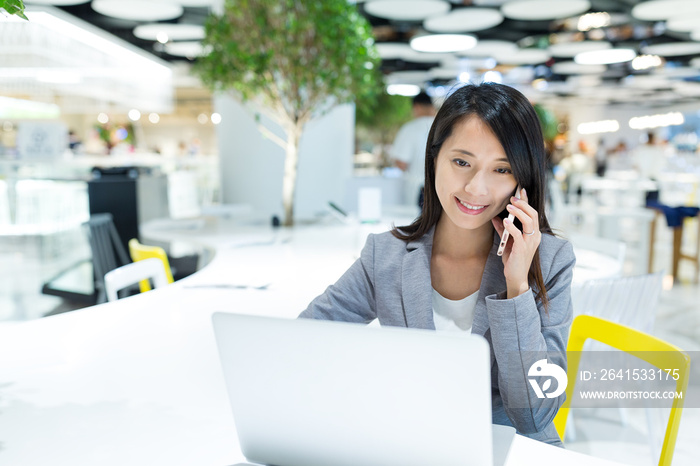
[473, 177]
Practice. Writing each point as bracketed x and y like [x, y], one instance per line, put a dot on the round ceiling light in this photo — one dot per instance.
[407, 10]
[571, 49]
[523, 57]
[544, 10]
[650, 82]
[443, 42]
[660, 10]
[444, 73]
[407, 90]
[401, 51]
[646, 62]
[485, 63]
[573, 68]
[673, 49]
[683, 23]
[464, 20]
[185, 49]
[491, 48]
[605, 57]
[407, 77]
[580, 82]
[138, 10]
[423, 57]
[154, 31]
[680, 72]
[392, 50]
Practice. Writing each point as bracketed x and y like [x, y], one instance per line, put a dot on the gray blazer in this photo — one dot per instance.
[391, 282]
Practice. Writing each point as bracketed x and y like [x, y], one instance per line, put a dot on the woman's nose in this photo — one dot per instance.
[476, 186]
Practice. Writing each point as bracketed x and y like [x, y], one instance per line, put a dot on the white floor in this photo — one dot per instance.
[28, 262]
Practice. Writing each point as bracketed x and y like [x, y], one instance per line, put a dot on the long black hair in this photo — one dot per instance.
[513, 121]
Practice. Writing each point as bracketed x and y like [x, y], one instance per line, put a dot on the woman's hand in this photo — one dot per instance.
[522, 245]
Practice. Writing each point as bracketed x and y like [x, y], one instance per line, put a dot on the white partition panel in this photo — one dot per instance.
[252, 165]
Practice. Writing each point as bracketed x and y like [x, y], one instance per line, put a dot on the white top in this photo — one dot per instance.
[649, 160]
[409, 147]
[454, 316]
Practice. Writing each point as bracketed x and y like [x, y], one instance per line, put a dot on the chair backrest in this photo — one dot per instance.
[631, 301]
[135, 272]
[108, 252]
[140, 252]
[653, 350]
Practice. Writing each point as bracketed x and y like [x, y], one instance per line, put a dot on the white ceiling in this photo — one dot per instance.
[535, 46]
[57, 57]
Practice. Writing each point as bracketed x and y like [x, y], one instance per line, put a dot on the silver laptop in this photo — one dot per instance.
[317, 393]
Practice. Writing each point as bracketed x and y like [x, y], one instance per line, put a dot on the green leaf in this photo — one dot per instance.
[548, 121]
[13, 7]
[291, 52]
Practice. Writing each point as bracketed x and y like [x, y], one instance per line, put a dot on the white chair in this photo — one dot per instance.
[130, 274]
[630, 301]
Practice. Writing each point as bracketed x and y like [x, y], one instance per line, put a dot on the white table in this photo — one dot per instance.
[138, 381]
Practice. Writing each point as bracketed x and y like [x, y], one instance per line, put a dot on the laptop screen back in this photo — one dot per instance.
[316, 393]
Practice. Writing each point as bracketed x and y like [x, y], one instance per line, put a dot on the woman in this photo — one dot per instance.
[443, 272]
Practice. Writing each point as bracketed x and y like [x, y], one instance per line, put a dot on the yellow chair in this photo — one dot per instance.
[140, 251]
[653, 350]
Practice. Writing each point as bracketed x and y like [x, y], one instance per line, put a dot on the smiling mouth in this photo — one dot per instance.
[471, 206]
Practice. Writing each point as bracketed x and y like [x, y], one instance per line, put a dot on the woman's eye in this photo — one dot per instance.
[461, 163]
[504, 171]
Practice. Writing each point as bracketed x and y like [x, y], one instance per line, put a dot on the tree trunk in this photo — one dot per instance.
[289, 182]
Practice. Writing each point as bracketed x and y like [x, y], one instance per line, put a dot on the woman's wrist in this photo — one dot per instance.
[518, 289]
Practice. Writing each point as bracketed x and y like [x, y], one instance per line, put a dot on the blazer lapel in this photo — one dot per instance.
[416, 287]
[492, 282]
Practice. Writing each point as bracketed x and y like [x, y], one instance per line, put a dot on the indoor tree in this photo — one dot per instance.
[295, 59]
[13, 7]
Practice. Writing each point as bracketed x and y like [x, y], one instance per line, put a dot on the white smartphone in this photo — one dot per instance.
[506, 235]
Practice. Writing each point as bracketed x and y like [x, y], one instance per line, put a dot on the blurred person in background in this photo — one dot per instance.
[649, 159]
[576, 166]
[619, 157]
[601, 156]
[408, 149]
